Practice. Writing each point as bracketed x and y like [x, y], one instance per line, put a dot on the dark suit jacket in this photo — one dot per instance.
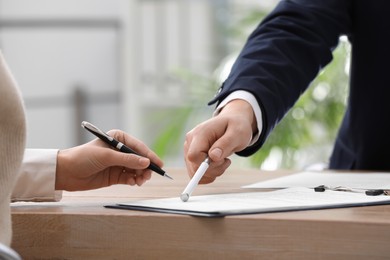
[293, 43]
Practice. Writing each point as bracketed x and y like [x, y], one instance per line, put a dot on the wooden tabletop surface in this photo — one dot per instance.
[79, 227]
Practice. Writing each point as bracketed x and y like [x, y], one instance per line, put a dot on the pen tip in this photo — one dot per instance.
[184, 197]
[166, 175]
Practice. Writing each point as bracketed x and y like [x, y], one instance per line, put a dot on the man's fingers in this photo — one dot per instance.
[215, 170]
[232, 141]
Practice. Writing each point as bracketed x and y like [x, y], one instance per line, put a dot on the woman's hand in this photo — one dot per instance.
[95, 165]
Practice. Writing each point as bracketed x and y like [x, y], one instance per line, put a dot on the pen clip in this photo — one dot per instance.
[93, 129]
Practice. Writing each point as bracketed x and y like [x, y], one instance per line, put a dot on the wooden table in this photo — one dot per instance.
[79, 227]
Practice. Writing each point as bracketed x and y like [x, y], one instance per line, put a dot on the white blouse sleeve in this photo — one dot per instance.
[36, 180]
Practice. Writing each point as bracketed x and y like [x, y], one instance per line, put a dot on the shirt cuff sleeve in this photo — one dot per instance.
[247, 96]
[36, 181]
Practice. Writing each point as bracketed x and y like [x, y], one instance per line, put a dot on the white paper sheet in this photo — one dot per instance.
[314, 179]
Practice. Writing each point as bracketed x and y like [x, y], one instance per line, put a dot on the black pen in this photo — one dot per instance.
[120, 146]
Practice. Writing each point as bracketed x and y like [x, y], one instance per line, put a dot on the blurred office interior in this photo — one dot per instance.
[149, 67]
[115, 63]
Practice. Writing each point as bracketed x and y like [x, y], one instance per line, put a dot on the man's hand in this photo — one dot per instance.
[229, 132]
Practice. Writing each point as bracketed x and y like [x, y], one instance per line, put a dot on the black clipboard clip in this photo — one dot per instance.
[371, 192]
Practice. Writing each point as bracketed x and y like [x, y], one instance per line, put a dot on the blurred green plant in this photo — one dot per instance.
[304, 136]
[171, 137]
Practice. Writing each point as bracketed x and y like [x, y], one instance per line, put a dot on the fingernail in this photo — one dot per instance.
[216, 153]
[143, 161]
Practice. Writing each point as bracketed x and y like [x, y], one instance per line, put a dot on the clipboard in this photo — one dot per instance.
[283, 200]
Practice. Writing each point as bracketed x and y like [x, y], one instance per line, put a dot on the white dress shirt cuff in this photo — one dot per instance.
[36, 181]
[248, 97]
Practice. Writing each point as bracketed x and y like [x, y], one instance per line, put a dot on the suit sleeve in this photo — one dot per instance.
[284, 54]
[36, 180]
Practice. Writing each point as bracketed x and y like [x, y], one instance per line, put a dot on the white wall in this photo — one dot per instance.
[54, 47]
